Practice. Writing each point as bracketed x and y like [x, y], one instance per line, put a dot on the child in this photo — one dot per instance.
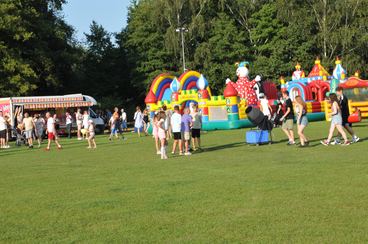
[146, 123]
[196, 129]
[162, 133]
[51, 131]
[91, 135]
[176, 129]
[113, 128]
[302, 120]
[155, 133]
[138, 120]
[186, 123]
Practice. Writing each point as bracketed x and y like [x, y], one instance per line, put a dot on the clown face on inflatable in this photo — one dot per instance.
[246, 89]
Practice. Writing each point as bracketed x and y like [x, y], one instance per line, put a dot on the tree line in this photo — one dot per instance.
[39, 54]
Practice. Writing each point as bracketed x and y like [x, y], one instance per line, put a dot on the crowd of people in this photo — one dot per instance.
[184, 129]
[183, 126]
[286, 112]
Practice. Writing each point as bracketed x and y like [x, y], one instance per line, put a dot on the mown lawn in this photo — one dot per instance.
[231, 192]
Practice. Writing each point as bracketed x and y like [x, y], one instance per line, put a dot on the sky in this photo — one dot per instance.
[111, 14]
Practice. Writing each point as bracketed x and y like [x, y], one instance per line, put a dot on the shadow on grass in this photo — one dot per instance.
[226, 146]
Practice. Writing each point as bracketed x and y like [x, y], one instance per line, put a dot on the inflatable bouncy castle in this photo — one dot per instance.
[319, 83]
[227, 111]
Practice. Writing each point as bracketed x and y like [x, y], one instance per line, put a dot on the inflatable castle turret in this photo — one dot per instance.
[175, 88]
[232, 101]
[203, 97]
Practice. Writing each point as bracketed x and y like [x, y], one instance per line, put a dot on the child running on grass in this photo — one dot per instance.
[51, 132]
[176, 129]
[162, 133]
[155, 133]
[186, 123]
[91, 135]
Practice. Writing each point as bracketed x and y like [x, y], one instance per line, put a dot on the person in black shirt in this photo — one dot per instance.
[288, 118]
[344, 106]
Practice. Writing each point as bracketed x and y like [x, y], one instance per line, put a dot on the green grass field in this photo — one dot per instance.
[231, 192]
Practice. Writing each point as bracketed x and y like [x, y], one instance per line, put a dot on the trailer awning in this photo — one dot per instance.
[44, 102]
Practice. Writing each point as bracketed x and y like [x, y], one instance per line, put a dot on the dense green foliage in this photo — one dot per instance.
[38, 54]
[229, 193]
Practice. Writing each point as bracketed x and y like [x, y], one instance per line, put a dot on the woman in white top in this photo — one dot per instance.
[138, 120]
[85, 124]
[79, 120]
[265, 106]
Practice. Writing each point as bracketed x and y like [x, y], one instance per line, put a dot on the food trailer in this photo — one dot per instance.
[16, 106]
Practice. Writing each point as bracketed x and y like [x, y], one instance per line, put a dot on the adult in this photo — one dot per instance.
[279, 112]
[302, 120]
[79, 120]
[51, 132]
[123, 118]
[28, 126]
[39, 128]
[186, 124]
[68, 123]
[138, 120]
[288, 119]
[85, 124]
[336, 121]
[344, 106]
[265, 106]
[2, 130]
[116, 117]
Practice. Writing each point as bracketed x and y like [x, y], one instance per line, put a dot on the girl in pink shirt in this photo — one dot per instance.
[155, 133]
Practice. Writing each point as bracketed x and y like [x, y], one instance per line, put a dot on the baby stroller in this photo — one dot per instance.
[20, 137]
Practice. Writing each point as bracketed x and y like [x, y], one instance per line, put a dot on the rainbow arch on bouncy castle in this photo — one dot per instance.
[160, 87]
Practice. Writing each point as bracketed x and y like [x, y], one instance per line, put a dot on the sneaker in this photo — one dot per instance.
[187, 154]
[30, 146]
[355, 139]
[335, 142]
[158, 153]
[290, 143]
[325, 142]
[47, 149]
[60, 147]
[173, 153]
[305, 145]
[181, 153]
[346, 143]
[80, 138]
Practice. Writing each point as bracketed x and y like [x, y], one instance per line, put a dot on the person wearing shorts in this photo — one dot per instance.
[51, 131]
[28, 126]
[39, 127]
[2, 130]
[345, 113]
[186, 124]
[196, 129]
[91, 135]
[288, 119]
[175, 122]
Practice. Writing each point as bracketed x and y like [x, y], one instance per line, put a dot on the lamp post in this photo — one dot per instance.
[182, 30]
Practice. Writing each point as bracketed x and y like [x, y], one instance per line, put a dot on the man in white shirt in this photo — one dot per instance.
[176, 129]
[28, 126]
[2, 130]
[51, 132]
